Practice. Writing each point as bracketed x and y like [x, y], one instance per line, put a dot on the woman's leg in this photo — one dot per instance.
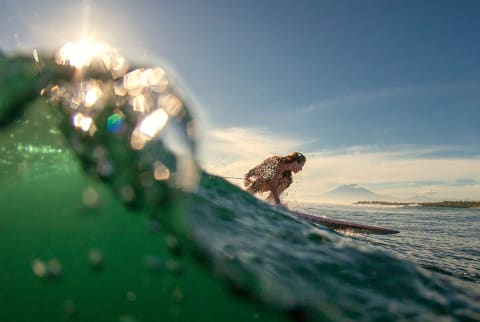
[283, 184]
[258, 185]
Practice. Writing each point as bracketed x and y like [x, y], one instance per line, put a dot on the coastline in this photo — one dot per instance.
[443, 204]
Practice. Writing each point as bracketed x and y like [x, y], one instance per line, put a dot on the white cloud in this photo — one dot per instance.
[232, 152]
[326, 171]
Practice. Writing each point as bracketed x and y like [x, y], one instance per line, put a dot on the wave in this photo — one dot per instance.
[312, 271]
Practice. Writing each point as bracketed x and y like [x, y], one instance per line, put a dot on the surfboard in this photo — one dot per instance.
[345, 226]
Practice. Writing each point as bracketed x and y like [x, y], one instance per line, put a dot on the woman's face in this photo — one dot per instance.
[297, 166]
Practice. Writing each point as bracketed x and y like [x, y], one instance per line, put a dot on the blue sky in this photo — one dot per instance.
[381, 93]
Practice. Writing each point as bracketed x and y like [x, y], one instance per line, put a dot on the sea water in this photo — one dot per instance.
[79, 241]
[444, 240]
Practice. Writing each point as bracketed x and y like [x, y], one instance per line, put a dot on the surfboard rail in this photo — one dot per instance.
[345, 225]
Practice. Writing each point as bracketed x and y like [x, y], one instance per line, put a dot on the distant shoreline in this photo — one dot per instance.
[445, 204]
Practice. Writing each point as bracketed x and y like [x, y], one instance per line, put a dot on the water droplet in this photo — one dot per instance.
[154, 263]
[92, 94]
[54, 268]
[69, 307]
[154, 123]
[82, 122]
[119, 89]
[131, 296]
[160, 171]
[173, 244]
[105, 168]
[133, 80]
[39, 268]
[153, 226]
[90, 197]
[95, 259]
[127, 194]
[173, 266]
[127, 318]
[172, 104]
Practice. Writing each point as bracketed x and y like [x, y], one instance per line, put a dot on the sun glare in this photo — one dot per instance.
[79, 54]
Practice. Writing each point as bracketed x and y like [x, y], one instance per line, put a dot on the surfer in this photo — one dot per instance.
[274, 174]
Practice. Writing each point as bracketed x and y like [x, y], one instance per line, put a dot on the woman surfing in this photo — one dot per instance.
[274, 174]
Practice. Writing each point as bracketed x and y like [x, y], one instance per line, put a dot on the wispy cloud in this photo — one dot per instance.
[364, 97]
[350, 99]
[402, 171]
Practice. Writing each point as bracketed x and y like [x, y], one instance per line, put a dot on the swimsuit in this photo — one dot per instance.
[266, 171]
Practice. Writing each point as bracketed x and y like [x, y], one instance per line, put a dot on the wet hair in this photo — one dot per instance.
[294, 157]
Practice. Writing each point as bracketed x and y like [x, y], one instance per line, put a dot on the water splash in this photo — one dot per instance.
[128, 125]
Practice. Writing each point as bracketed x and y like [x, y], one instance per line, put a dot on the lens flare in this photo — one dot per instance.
[115, 123]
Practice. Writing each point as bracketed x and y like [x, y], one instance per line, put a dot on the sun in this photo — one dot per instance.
[79, 54]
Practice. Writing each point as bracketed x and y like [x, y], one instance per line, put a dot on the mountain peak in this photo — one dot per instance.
[352, 188]
[351, 193]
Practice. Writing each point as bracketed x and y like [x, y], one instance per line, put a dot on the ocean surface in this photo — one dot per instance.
[443, 240]
[94, 227]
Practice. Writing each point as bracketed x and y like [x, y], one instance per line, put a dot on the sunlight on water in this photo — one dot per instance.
[154, 123]
[139, 105]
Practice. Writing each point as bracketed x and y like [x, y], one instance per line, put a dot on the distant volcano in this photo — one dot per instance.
[352, 193]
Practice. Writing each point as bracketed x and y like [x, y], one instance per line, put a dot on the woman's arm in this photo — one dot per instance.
[274, 183]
